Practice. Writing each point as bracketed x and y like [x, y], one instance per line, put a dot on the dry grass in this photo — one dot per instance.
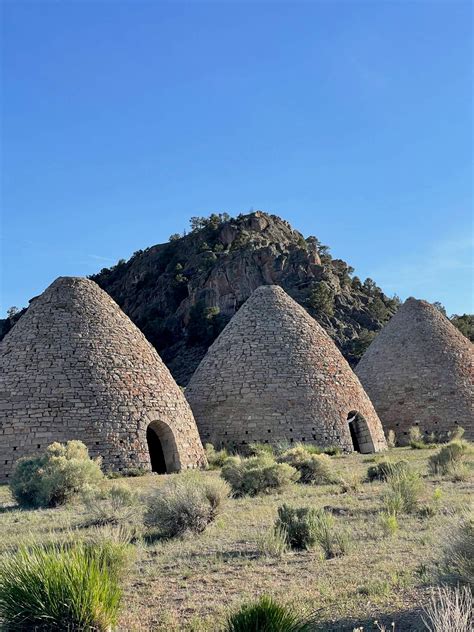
[191, 584]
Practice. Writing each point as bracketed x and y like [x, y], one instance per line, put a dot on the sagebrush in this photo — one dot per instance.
[53, 477]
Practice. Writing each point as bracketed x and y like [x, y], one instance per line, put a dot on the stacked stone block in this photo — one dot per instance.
[274, 375]
[419, 372]
[76, 367]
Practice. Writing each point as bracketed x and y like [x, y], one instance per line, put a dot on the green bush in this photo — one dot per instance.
[313, 468]
[304, 527]
[258, 474]
[186, 502]
[403, 493]
[52, 478]
[215, 458]
[62, 587]
[451, 455]
[267, 615]
[383, 469]
[115, 506]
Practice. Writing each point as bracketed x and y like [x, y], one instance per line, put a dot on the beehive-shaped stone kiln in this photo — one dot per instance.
[419, 371]
[274, 375]
[76, 367]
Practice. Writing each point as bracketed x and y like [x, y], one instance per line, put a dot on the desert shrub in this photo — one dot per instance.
[117, 505]
[388, 523]
[215, 458]
[185, 503]
[299, 526]
[52, 478]
[403, 493]
[61, 587]
[304, 527]
[273, 543]
[448, 458]
[257, 474]
[267, 615]
[383, 469]
[350, 482]
[258, 449]
[313, 468]
[391, 439]
[449, 610]
[415, 434]
[457, 564]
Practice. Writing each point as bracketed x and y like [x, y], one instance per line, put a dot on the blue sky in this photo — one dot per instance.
[352, 120]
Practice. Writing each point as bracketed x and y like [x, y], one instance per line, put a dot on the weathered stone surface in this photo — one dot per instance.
[76, 367]
[419, 371]
[274, 375]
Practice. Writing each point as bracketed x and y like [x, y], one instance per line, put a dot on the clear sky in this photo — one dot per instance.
[352, 120]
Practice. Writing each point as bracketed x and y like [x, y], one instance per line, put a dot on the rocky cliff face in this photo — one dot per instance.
[182, 293]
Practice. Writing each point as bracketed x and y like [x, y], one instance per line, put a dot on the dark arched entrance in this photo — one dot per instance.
[360, 433]
[162, 448]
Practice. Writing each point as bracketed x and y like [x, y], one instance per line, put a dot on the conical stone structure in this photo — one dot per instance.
[419, 371]
[274, 375]
[76, 367]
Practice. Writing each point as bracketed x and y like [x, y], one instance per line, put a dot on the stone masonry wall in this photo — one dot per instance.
[76, 367]
[419, 371]
[274, 375]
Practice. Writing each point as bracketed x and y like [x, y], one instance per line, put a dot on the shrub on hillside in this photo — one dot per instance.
[304, 527]
[258, 474]
[267, 615]
[403, 493]
[185, 503]
[447, 460]
[53, 477]
[383, 469]
[313, 468]
[62, 587]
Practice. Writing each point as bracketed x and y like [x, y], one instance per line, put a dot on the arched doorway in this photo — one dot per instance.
[164, 456]
[360, 433]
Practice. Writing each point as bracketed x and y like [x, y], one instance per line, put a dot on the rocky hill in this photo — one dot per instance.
[182, 293]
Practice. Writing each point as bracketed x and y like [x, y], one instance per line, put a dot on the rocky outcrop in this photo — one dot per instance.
[181, 294]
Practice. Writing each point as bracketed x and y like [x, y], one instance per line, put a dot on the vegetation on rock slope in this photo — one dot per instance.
[181, 294]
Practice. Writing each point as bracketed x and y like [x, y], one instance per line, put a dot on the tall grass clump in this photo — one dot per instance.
[305, 527]
[117, 505]
[457, 564]
[259, 474]
[389, 523]
[215, 458]
[383, 469]
[52, 478]
[273, 543]
[450, 459]
[314, 469]
[61, 587]
[267, 615]
[186, 503]
[404, 489]
[450, 610]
